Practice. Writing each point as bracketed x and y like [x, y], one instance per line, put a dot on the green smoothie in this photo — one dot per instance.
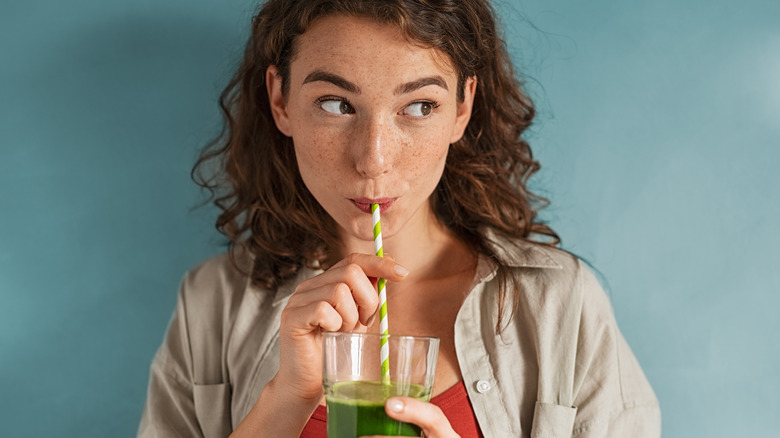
[358, 408]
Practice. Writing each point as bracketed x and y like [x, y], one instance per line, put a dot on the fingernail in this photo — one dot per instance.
[400, 270]
[371, 320]
[395, 405]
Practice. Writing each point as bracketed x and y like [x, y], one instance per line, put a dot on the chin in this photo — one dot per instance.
[357, 230]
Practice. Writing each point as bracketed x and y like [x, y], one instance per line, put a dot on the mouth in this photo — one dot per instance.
[364, 204]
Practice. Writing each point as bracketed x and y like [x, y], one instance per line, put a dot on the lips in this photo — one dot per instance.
[364, 204]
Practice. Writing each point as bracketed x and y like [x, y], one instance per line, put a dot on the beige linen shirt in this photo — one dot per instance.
[560, 367]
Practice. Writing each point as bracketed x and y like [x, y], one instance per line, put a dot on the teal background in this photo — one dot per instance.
[658, 134]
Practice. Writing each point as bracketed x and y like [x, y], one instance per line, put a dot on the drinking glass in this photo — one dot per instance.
[356, 389]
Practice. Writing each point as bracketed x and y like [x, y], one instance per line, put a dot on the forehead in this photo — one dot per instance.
[358, 46]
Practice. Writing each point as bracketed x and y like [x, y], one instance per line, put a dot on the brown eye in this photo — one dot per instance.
[335, 106]
[420, 109]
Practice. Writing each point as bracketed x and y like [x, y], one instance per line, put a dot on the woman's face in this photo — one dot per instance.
[371, 117]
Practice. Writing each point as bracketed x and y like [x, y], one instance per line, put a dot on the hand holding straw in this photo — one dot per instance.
[384, 351]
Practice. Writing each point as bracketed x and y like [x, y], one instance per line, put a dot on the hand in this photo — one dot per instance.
[343, 298]
[426, 415]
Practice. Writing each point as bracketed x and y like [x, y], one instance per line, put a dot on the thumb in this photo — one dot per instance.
[427, 416]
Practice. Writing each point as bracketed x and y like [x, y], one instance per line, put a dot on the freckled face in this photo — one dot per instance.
[371, 117]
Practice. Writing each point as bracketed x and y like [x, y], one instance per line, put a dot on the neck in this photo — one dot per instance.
[424, 246]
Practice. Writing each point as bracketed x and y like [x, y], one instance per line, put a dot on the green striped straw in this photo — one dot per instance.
[384, 351]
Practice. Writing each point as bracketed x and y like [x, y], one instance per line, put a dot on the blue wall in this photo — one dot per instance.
[659, 132]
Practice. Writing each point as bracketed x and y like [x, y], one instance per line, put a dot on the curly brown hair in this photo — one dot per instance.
[264, 204]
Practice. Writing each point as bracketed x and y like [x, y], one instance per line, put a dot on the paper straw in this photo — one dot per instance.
[384, 352]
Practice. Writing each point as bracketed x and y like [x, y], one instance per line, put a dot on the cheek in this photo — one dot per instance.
[315, 146]
[429, 154]
[319, 149]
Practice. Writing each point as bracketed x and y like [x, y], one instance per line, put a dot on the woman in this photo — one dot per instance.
[413, 105]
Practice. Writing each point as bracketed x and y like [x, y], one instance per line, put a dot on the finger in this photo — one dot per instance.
[356, 271]
[426, 415]
[374, 266]
[375, 279]
[338, 295]
[343, 301]
[360, 272]
[305, 319]
[363, 292]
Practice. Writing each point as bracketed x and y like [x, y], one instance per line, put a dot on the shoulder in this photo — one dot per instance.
[523, 253]
[583, 359]
[211, 292]
[553, 290]
[543, 271]
[219, 271]
[217, 279]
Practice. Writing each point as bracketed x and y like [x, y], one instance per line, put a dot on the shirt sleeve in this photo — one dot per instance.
[612, 396]
[170, 406]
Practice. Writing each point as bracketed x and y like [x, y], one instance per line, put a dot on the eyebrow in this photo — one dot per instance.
[419, 83]
[323, 76]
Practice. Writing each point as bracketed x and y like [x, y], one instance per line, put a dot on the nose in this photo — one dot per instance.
[373, 148]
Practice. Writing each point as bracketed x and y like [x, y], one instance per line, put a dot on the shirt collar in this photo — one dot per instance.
[521, 253]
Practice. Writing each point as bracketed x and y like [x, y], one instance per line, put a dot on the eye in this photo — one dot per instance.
[420, 109]
[334, 105]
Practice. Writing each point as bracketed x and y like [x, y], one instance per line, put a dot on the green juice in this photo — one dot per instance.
[358, 408]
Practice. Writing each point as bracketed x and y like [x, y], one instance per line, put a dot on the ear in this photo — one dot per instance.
[273, 83]
[464, 109]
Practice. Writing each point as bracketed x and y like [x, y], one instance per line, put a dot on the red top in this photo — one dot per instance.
[454, 402]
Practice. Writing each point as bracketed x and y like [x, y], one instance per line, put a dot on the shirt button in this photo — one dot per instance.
[483, 386]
